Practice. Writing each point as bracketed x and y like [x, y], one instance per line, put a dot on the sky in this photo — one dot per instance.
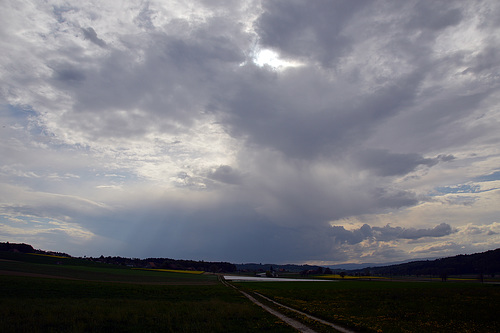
[283, 131]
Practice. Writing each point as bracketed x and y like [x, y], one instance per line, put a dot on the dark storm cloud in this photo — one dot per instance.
[389, 198]
[286, 113]
[384, 163]
[90, 34]
[341, 235]
[433, 16]
[69, 75]
[317, 31]
[485, 61]
[224, 159]
[387, 233]
[307, 30]
[224, 230]
[171, 82]
[431, 123]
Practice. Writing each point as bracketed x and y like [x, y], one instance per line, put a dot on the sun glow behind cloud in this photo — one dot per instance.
[267, 57]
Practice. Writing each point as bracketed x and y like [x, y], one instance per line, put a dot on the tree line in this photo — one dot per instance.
[160, 263]
[485, 263]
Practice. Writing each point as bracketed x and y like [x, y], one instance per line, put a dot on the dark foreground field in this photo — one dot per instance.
[384, 306]
[49, 294]
[85, 299]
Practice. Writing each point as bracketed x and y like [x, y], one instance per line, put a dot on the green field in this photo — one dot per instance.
[50, 294]
[100, 298]
[82, 270]
[385, 306]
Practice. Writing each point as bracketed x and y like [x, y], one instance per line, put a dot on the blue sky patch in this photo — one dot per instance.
[488, 178]
[459, 189]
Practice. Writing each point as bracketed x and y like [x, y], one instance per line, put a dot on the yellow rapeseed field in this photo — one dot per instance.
[337, 276]
[170, 270]
[47, 255]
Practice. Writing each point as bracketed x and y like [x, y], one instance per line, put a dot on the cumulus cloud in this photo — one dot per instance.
[388, 233]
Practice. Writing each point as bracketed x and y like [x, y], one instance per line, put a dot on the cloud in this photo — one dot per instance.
[440, 230]
[225, 174]
[384, 163]
[437, 248]
[435, 18]
[69, 75]
[473, 229]
[271, 111]
[304, 31]
[90, 34]
[388, 233]
[155, 128]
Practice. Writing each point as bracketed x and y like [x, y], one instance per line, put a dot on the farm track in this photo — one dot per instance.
[292, 322]
[324, 322]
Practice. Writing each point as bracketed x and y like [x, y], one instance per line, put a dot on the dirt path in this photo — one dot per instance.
[324, 322]
[292, 322]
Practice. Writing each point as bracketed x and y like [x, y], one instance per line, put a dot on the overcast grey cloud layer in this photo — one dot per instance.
[266, 131]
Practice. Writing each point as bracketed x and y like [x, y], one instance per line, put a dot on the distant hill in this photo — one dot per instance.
[17, 247]
[252, 267]
[163, 263]
[26, 248]
[487, 263]
[352, 266]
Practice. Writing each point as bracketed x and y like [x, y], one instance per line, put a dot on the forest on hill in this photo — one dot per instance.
[253, 267]
[485, 263]
[160, 263]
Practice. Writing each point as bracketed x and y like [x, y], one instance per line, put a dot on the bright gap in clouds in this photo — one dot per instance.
[263, 57]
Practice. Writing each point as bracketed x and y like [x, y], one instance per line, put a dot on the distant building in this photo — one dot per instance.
[151, 265]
